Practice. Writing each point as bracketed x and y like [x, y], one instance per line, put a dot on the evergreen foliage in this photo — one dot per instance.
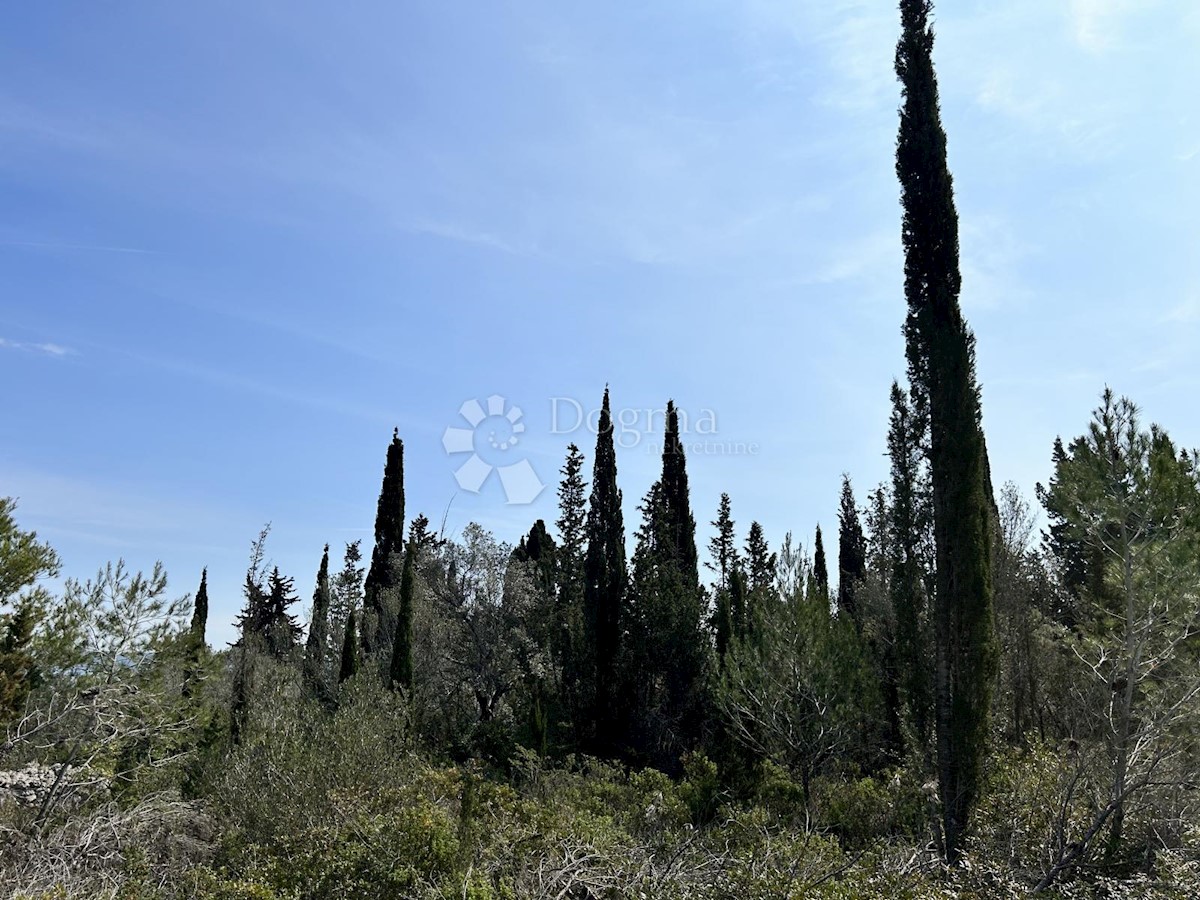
[401, 674]
[605, 583]
[852, 555]
[667, 645]
[379, 616]
[820, 566]
[316, 647]
[941, 358]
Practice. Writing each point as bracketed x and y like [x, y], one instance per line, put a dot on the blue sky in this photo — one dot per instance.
[240, 242]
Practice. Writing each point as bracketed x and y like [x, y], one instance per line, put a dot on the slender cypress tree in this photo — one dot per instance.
[605, 580]
[667, 617]
[402, 660]
[196, 635]
[852, 555]
[379, 617]
[349, 665]
[941, 358]
[200, 611]
[677, 509]
[821, 567]
[316, 648]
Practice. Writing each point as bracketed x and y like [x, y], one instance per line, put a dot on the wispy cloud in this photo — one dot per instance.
[46, 349]
[466, 235]
[1185, 312]
[55, 245]
[1095, 24]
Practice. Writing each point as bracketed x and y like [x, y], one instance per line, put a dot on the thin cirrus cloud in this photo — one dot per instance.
[57, 245]
[44, 348]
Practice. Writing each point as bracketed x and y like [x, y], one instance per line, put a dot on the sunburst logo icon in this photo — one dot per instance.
[494, 436]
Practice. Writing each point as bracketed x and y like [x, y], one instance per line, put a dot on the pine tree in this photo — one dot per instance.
[349, 665]
[759, 577]
[852, 556]
[820, 568]
[316, 648]
[569, 643]
[605, 580]
[760, 561]
[18, 671]
[723, 546]
[379, 616]
[279, 629]
[402, 659]
[940, 349]
[347, 594]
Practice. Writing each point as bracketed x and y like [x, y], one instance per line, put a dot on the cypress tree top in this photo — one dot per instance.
[852, 554]
[389, 539]
[820, 566]
[200, 611]
[605, 581]
[676, 504]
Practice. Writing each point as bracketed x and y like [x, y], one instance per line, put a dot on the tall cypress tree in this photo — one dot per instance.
[402, 661]
[668, 605]
[605, 580]
[316, 647]
[941, 358]
[379, 616]
[200, 611]
[196, 635]
[852, 555]
[821, 567]
[677, 505]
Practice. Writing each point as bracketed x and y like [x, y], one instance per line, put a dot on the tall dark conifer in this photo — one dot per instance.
[667, 610]
[605, 581]
[852, 555]
[722, 547]
[402, 648]
[821, 567]
[760, 561]
[379, 617]
[941, 358]
[316, 647]
[569, 644]
[196, 635]
[200, 612]
[759, 574]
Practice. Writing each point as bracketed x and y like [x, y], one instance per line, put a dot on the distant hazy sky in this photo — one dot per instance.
[242, 241]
